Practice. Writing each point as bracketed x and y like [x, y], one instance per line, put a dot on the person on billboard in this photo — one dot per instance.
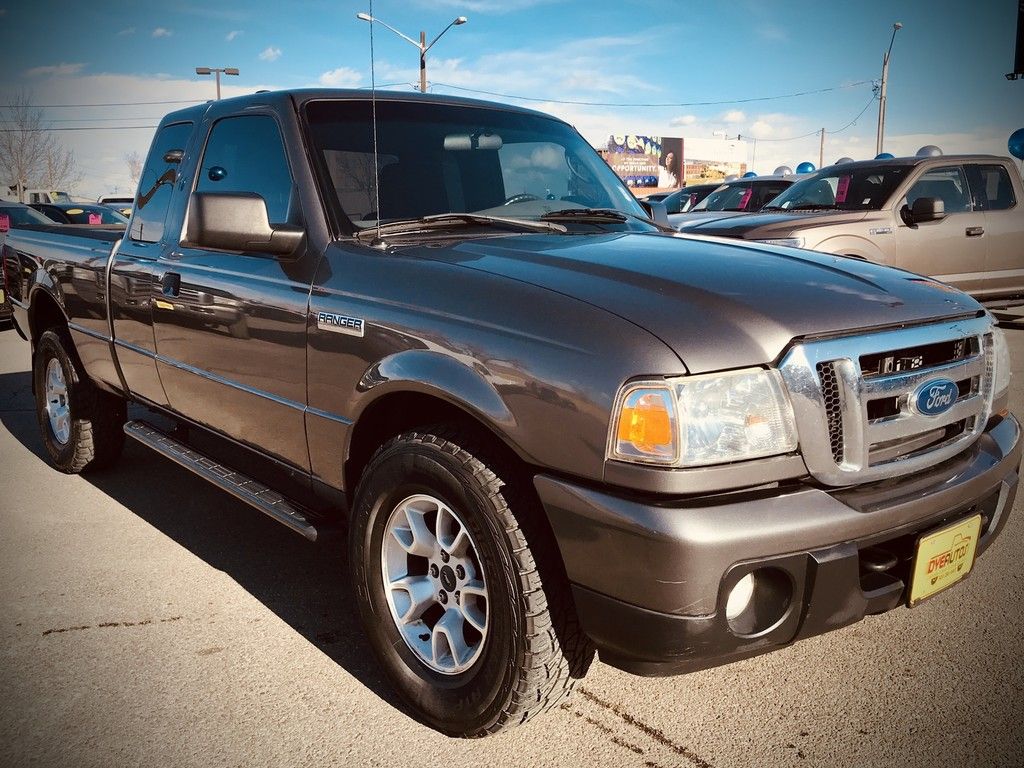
[668, 172]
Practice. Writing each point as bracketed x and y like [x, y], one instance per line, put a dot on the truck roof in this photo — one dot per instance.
[301, 96]
[912, 161]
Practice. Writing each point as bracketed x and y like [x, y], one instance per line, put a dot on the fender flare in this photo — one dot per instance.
[853, 245]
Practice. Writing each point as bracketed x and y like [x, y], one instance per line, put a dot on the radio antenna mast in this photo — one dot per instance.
[373, 119]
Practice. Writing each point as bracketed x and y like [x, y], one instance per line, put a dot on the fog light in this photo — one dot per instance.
[739, 597]
[759, 602]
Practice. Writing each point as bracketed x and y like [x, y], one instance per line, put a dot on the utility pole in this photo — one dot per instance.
[821, 150]
[422, 44]
[879, 141]
[423, 61]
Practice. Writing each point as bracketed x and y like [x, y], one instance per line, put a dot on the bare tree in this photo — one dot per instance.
[30, 155]
[134, 162]
[60, 169]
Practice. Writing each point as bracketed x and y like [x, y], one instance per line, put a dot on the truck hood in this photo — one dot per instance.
[774, 224]
[695, 218]
[716, 303]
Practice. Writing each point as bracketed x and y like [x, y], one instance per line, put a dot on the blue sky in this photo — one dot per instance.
[946, 83]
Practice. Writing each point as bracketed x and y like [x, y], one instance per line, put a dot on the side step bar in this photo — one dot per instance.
[267, 501]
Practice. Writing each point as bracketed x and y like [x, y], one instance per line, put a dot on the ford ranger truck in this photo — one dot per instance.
[956, 218]
[550, 425]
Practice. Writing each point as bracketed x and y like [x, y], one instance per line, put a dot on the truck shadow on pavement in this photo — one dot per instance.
[306, 585]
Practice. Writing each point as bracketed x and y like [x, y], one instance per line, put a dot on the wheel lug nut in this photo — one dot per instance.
[458, 597]
[444, 556]
[460, 571]
[442, 596]
[433, 570]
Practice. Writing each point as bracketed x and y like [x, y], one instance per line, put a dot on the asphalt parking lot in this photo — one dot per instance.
[149, 619]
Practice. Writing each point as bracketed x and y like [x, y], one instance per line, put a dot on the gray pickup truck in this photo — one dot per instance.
[549, 424]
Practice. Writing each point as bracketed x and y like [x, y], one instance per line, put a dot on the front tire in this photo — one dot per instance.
[436, 498]
[81, 426]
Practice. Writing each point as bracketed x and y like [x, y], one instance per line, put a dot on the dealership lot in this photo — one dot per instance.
[147, 618]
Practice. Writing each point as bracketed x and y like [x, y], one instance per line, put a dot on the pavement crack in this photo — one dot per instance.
[654, 733]
[109, 624]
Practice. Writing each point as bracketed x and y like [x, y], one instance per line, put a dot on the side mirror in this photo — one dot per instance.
[237, 221]
[656, 211]
[924, 209]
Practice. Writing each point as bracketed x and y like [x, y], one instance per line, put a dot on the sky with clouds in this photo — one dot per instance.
[708, 65]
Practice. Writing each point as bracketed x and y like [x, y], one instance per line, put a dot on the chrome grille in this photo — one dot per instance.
[860, 425]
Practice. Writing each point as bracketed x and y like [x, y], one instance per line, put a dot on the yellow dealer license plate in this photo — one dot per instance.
[944, 558]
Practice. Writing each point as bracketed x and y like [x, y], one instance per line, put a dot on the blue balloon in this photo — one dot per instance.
[1016, 144]
[749, 175]
[884, 156]
[805, 167]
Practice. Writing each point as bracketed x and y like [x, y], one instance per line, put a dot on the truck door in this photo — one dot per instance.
[951, 249]
[994, 194]
[231, 327]
[134, 272]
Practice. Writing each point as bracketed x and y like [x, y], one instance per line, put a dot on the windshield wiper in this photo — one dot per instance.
[600, 214]
[447, 220]
[813, 207]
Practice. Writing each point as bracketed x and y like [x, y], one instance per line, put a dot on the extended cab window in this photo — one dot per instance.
[157, 183]
[993, 190]
[948, 184]
[246, 154]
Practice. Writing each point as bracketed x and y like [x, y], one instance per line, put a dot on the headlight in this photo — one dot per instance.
[694, 421]
[1000, 362]
[790, 242]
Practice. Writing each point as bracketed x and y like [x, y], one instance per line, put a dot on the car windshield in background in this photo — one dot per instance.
[441, 158]
[93, 214]
[846, 189]
[23, 216]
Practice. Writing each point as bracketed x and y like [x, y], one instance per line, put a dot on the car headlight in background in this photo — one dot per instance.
[1000, 362]
[789, 242]
[692, 421]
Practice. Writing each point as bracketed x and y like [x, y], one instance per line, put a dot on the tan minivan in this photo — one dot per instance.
[957, 218]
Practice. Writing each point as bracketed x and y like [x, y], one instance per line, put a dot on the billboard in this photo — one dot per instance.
[646, 162]
[714, 159]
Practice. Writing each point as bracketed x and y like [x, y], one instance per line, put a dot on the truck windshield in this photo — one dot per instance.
[842, 188]
[443, 158]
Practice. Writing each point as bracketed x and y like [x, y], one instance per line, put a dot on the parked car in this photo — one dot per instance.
[956, 218]
[733, 199]
[684, 199]
[120, 203]
[15, 216]
[550, 424]
[77, 213]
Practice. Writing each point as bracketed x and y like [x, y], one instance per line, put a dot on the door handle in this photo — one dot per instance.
[975, 231]
[171, 284]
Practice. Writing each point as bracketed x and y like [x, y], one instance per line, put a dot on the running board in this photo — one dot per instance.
[242, 487]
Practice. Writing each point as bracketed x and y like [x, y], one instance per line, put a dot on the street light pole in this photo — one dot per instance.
[882, 90]
[217, 72]
[422, 45]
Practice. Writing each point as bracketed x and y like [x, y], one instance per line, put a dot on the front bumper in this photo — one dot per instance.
[651, 579]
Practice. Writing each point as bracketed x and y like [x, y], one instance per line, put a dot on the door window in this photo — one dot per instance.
[948, 184]
[993, 190]
[157, 183]
[246, 154]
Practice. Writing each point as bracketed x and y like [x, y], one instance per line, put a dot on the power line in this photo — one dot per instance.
[112, 104]
[90, 119]
[80, 128]
[830, 132]
[657, 104]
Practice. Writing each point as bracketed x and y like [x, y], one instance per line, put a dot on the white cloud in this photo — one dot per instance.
[55, 70]
[487, 6]
[734, 116]
[760, 129]
[342, 77]
[270, 53]
[162, 32]
[232, 34]
[683, 120]
[126, 31]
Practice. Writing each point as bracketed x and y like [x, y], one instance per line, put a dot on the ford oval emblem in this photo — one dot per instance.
[935, 397]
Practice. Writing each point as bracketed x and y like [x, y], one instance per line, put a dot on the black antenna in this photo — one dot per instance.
[373, 110]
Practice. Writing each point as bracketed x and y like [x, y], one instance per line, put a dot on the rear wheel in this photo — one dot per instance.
[459, 585]
[81, 426]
